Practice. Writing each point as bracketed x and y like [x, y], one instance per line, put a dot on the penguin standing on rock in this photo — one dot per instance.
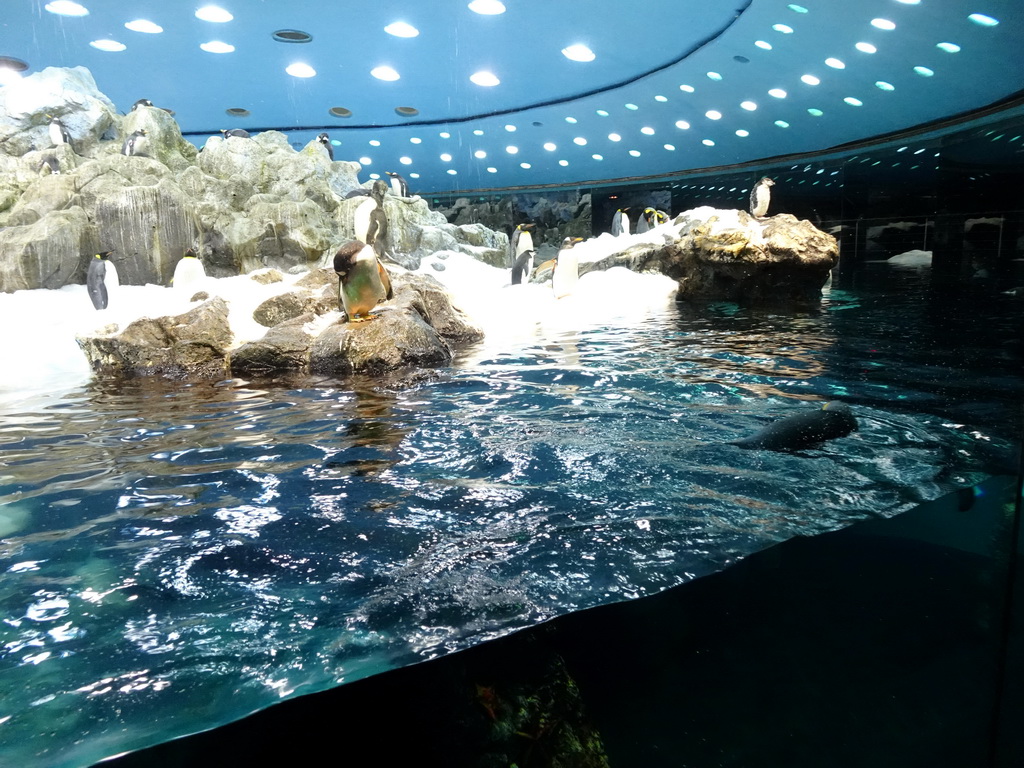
[101, 279]
[51, 164]
[240, 133]
[141, 103]
[362, 280]
[760, 197]
[189, 272]
[567, 269]
[134, 143]
[325, 141]
[59, 134]
[620, 222]
[370, 223]
[398, 184]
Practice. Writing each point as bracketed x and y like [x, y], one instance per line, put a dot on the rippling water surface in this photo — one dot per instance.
[176, 556]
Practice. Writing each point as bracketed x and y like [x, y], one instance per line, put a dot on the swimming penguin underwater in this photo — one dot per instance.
[362, 280]
[59, 134]
[803, 430]
[101, 276]
[134, 144]
[620, 222]
[189, 272]
[325, 141]
[760, 197]
[398, 184]
[567, 269]
[523, 267]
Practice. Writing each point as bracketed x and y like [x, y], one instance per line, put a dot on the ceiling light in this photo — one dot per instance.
[485, 78]
[670, 147]
[865, 48]
[924, 71]
[216, 46]
[405, 160]
[763, 44]
[748, 105]
[634, 153]
[853, 102]
[444, 135]
[563, 162]
[578, 52]
[948, 47]
[401, 29]
[883, 24]
[885, 86]
[213, 13]
[580, 141]
[647, 130]
[374, 143]
[708, 143]
[510, 128]
[614, 137]
[292, 36]
[365, 161]
[660, 98]
[786, 30]
[682, 125]
[339, 112]
[492, 170]
[66, 8]
[550, 147]
[713, 114]
[835, 63]
[815, 112]
[142, 25]
[452, 172]
[778, 93]
[782, 124]
[385, 73]
[445, 157]
[598, 157]
[571, 120]
[742, 133]
[415, 140]
[108, 45]
[810, 79]
[527, 166]
[479, 154]
[298, 69]
[478, 132]
[714, 76]
[602, 113]
[512, 150]
[799, 8]
[687, 88]
[487, 7]
[239, 112]
[983, 20]
[632, 106]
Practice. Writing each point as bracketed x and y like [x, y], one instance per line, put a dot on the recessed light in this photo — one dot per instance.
[783, 28]
[647, 130]
[479, 154]
[527, 166]
[445, 157]
[452, 172]
[563, 163]
[682, 125]
[687, 88]
[487, 7]
[708, 143]
[143, 25]
[983, 20]
[865, 48]
[885, 86]
[407, 111]
[478, 132]
[339, 112]
[405, 160]
[810, 79]
[571, 120]
[614, 137]
[374, 142]
[444, 135]
[742, 133]
[948, 47]
[798, 8]
[782, 124]
[598, 157]
[66, 8]
[512, 150]
[492, 170]
[741, 59]
[401, 29]
[510, 128]
[763, 44]
[853, 102]
[108, 45]
[883, 24]
[835, 63]
[750, 106]
[580, 141]
[550, 147]
[713, 114]
[415, 140]
[815, 112]
[385, 73]
[778, 93]
[714, 76]
[216, 46]
[578, 52]
[213, 13]
[374, 175]
[602, 113]
[924, 71]
[299, 69]
[670, 147]
[485, 78]
[365, 161]
[238, 112]
[633, 107]
[660, 98]
[292, 36]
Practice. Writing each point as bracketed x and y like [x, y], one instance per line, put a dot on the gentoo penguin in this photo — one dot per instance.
[620, 222]
[760, 196]
[189, 271]
[141, 103]
[567, 269]
[802, 430]
[325, 141]
[239, 132]
[100, 279]
[362, 281]
[370, 223]
[358, 192]
[398, 184]
[521, 241]
[523, 267]
[59, 133]
[133, 144]
[50, 164]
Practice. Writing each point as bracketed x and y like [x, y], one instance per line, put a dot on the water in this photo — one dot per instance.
[176, 556]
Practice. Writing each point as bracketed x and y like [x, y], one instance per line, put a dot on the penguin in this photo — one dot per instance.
[189, 271]
[134, 143]
[620, 222]
[360, 192]
[523, 267]
[760, 196]
[398, 184]
[237, 132]
[325, 141]
[567, 269]
[362, 280]
[59, 134]
[369, 220]
[141, 103]
[647, 220]
[100, 278]
[660, 217]
[51, 164]
[521, 241]
[803, 430]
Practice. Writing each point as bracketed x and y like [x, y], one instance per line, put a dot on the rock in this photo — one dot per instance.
[200, 296]
[164, 141]
[285, 347]
[193, 345]
[286, 306]
[428, 297]
[49, 253]
[266, 276]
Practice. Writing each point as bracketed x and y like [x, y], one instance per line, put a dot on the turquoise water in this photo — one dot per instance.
[177, 556]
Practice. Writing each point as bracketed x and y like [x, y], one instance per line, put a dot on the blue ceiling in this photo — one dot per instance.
[674, 85]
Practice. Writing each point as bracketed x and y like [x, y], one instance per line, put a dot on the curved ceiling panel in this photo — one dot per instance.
[457, 99]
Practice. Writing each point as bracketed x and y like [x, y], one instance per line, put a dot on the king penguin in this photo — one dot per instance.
[521, 241]
[620, 222]
[760, 197]
[370, 223]
[101, 279]
[59, 134]
[362, 281]
[189, 272]
[567, 269]
[398, 184]
[646, 220]
[325, 140]
[134, 144]
[522, 268]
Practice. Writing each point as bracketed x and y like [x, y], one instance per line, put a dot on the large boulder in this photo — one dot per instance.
[49, 253]
[163, 141]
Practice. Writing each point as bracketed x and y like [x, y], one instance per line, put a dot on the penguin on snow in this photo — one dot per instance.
[760, 197]
[521, 241]
[398, 184]
[59, 134]
[620, 222]
[325, 141]
[522, 267]
[101, 279]
[134, 144]
[567, 268]
[189, 272]
[362, 280]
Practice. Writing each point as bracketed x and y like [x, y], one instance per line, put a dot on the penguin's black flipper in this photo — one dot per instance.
[519, 270]
[95, 283]
[385, 280]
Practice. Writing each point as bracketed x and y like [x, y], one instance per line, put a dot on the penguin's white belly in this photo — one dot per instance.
[110, 278]
[525, 243]
[566, 275]
[761, 199]
[361, 218]
[189, 273]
